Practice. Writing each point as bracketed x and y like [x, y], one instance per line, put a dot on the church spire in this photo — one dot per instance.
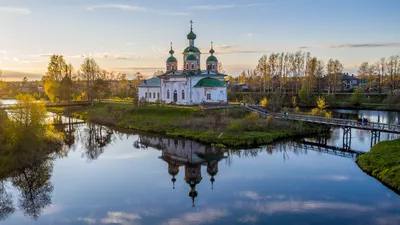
[171, 51]
[212, 49]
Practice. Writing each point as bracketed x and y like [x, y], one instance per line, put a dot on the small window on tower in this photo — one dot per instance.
[213, 66]
[192, 66]
[209, 67]
[168, 68]
[187, 66]
[172, 67]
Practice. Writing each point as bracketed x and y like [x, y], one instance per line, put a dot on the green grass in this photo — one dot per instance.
[210, 126]
[383, 163]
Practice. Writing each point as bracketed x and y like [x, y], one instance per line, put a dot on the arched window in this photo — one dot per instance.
[209, 67]
[172, 67]
[154, 95]
[187, 66]
[192, 66]
[168, 67]
[183, 95]
[213, 65]
[167, 94]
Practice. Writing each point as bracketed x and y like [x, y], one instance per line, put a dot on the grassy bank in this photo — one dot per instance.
[232, 127]
[383, 163]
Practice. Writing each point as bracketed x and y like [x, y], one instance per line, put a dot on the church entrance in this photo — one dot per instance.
[175, 96]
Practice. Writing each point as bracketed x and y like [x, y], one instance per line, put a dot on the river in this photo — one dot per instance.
[111, 177]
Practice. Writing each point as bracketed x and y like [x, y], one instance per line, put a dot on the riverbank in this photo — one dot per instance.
[231, 127]
[383, 163]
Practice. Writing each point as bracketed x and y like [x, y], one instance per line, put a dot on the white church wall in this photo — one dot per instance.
[151, 94]
[215, 94]
[178, 84]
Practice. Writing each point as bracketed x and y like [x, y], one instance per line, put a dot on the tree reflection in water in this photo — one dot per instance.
[35, 188]
[95, 138]
[6, 202]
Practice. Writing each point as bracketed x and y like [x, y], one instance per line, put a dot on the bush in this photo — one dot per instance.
[303, 95]
[264, 102]
[237, 126]
[357, 97]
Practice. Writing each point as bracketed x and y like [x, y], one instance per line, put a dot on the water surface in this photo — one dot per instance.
[109, 177]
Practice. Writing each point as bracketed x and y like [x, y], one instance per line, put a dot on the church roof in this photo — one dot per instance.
[212, 59]
[153, 82]
[191, 57]
[172, 59]
[193, 49]
[209, 82]
[208, 73]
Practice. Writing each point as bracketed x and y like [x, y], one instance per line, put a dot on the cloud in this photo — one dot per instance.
[337, 177]
[121, 218]
[255, 196]
[389, 220]
[117, 6]
[216, 7]
[306, 206]
[361, 45]
[176, 13]
[251, 35]
[248, 219]
[205, 216]
[14, 10]
[88, 220]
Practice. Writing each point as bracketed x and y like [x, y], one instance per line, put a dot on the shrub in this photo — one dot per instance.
[252, 116]
[357, 97]
[264, 102]
[237, 126]
[303, 95]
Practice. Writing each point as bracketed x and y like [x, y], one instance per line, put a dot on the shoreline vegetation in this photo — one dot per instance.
[25, 137]
[383, 163]
[228, 127]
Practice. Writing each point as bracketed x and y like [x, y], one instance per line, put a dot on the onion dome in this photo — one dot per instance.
[212, 49]
[191, 49]
[191, 35]
[212, 59]
[172, 59]
[191, 58]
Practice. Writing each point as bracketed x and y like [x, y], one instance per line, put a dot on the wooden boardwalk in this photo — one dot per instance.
[381, 127]
[332, 150]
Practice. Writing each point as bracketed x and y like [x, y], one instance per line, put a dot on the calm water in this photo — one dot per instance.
[108, 177]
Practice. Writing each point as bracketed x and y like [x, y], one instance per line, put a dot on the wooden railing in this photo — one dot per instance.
[384, 127]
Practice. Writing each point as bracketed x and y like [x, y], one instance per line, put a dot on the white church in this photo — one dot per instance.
[189, 86]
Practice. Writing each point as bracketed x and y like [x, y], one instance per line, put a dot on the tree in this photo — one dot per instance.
[393, 67]
[66, 89]
[357, 97]
[264, 102]
[303, 95]
[56, 70]
[334, 71]
[297, 68]
[221, 68]
[262, 69]
[158, 73]
[90, 71]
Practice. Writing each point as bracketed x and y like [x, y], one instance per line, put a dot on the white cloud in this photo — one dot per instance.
[14, 10]
[227, 6]
[337, 177]
[117, 6]
[88, 220]
[205, 216]
[251, 34]
[255, 196]
[121, 218]
[248, 219]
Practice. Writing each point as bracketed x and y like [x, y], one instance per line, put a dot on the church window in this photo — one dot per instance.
[209, 67]
[167, 94]
[154, 95]
[192, 66]
[168, 68]
[208, 96]
[172, 67]
[213, 66]
[158, 95]
[145, 95]
[187, 66]
[183, 94]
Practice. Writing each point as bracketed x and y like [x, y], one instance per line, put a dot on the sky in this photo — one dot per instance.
[134, 35]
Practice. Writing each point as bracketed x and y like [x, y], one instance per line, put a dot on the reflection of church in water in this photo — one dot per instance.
[190, 156]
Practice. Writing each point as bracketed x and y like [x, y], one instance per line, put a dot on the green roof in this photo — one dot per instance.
[153, 82]
[191, 57]
[191, 49]
[172, 59]
[209, 82]
[191, 36]
[212, 59]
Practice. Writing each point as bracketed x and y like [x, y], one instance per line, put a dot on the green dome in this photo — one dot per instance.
[209, 82]
[191, 49]
[171, 52]
[172, 59]
[191, 36]
[191, 57]
[212, 59]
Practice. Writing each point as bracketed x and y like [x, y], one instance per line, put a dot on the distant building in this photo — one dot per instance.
[188, 86]
[350, 82]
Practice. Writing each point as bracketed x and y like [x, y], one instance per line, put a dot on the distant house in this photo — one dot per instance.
[350, 82]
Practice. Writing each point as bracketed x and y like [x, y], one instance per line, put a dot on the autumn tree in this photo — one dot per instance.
[56, 70]
[90, 72]
[334, 71]
[262, 69]
[393, 70]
